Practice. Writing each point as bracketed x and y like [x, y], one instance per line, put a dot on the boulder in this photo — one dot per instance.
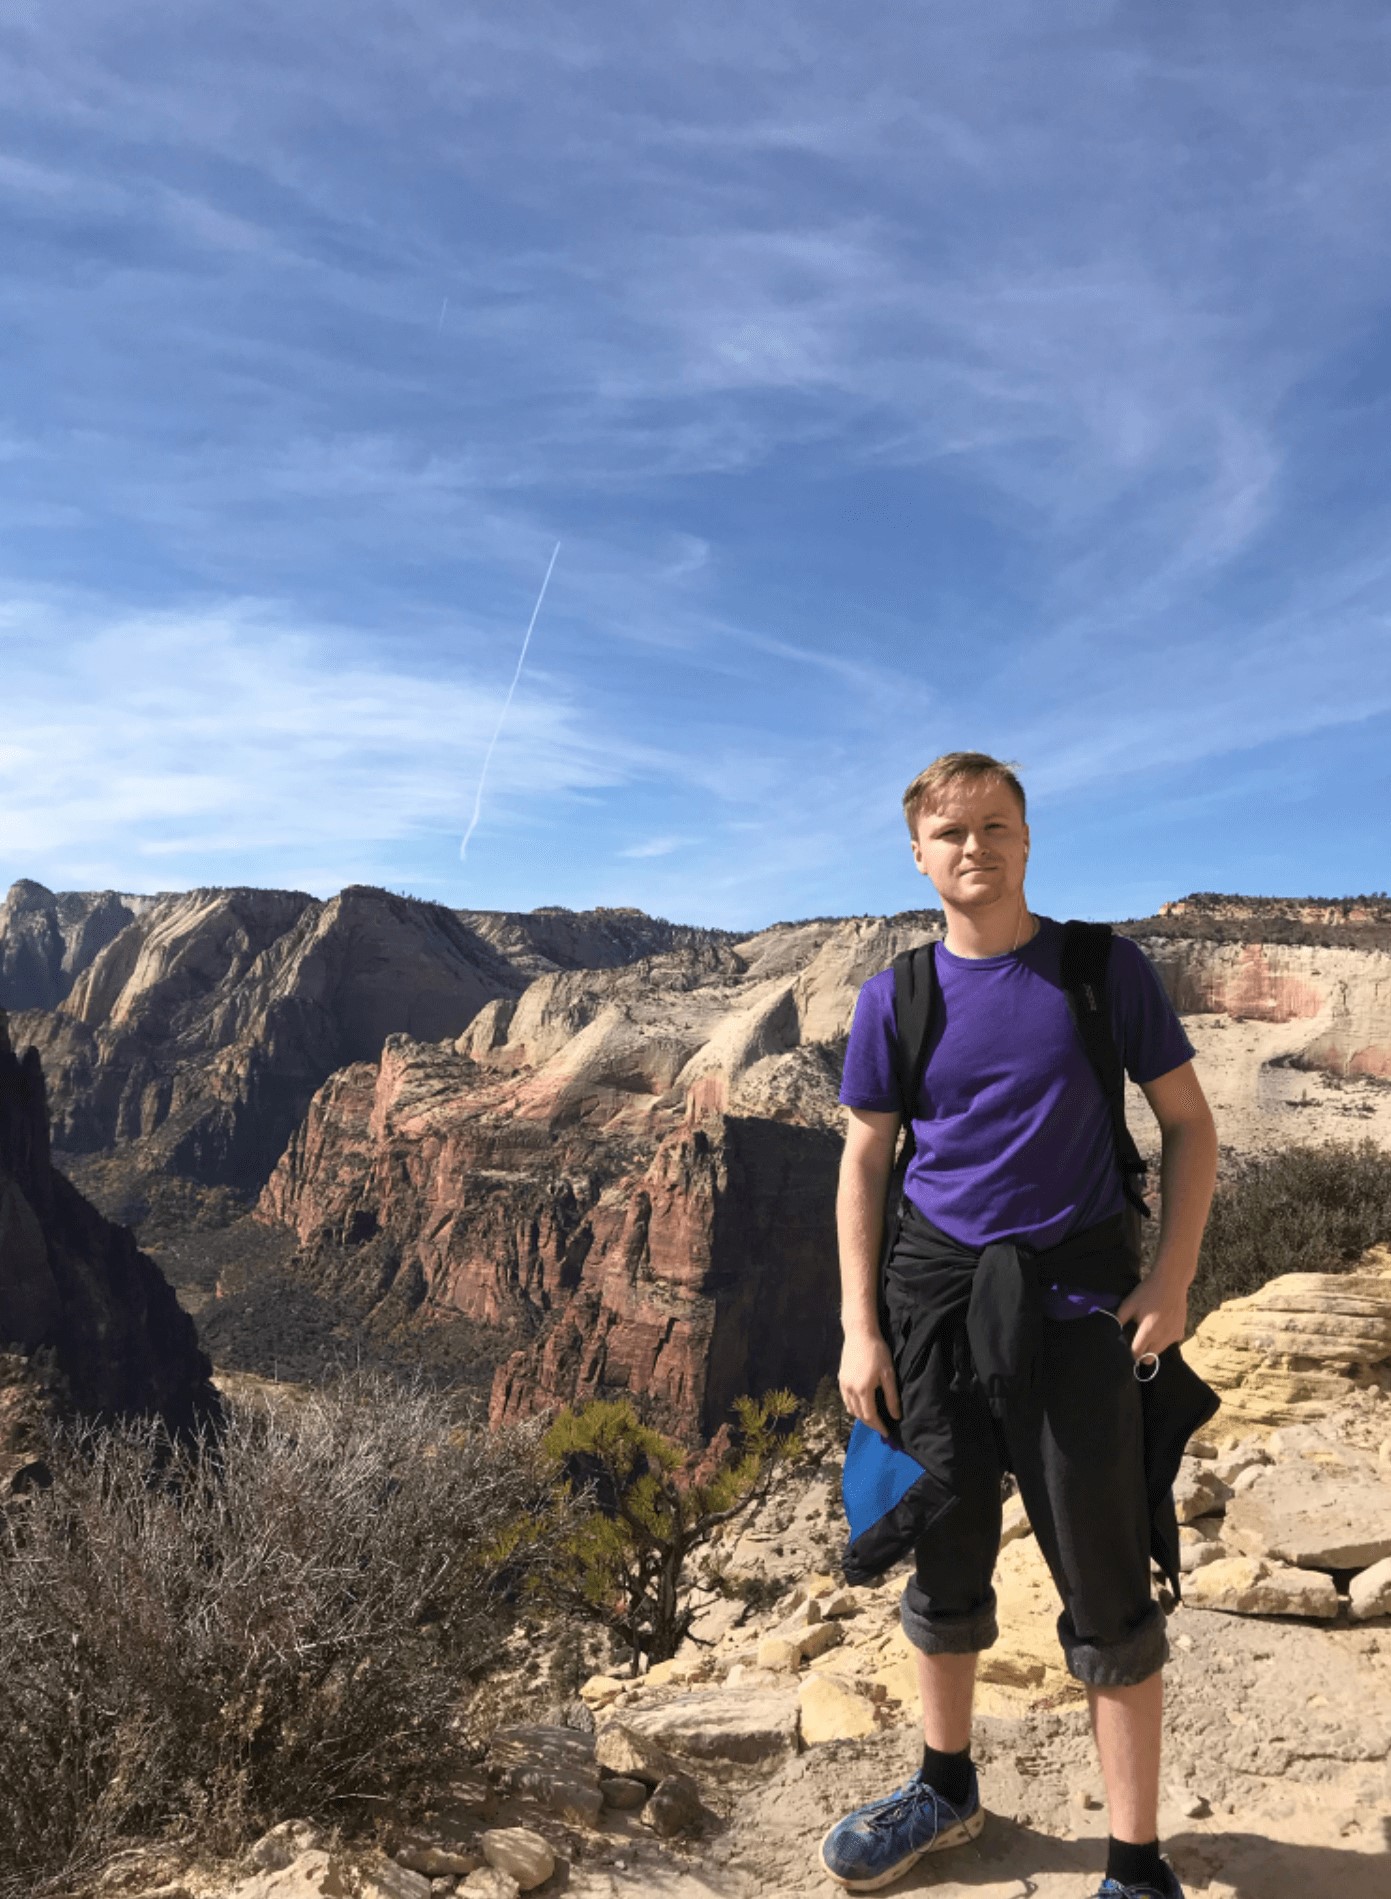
[520, 1852]
[1370, 1593]
[718, 1725]
[1300, 1513]
[1293, 1349]
[1244, 1585]
[674, 1807]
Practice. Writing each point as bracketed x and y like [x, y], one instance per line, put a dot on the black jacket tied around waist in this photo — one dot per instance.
[966, 1327]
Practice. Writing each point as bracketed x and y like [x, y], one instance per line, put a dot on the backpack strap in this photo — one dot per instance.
[915, 998]
[1086, 955]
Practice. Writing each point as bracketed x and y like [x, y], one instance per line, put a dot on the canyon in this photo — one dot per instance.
[565, 1153]
[88, 1323]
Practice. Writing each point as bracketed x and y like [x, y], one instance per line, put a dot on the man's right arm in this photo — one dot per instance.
[866, 1365]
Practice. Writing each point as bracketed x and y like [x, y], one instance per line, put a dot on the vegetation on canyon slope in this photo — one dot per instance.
[627, 1563]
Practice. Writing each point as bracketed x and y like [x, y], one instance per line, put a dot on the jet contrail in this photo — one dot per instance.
[506, 704]
[440, 325]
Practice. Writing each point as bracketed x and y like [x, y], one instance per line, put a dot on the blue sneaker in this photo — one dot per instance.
[1171, 1889]
[877, 1844]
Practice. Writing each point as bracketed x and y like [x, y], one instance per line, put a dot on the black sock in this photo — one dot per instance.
[948, 1774]
[1134, 1865]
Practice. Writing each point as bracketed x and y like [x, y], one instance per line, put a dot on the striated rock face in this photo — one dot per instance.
[200, 1030]
[47, 941]
[688, 1264]
[630, 1171]
[1299, 1345]
[1342, 995]
[93, 1320]
[192, 1030]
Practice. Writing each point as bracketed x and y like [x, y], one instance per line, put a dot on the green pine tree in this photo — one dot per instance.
[627, 1562]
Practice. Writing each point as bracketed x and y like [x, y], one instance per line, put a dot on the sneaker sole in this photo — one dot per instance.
[957, 1835]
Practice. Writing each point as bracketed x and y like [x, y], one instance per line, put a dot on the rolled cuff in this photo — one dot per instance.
[947, 1634]
[1131, 1658]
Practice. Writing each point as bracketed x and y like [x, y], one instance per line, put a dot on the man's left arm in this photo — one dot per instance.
[1188, 1173]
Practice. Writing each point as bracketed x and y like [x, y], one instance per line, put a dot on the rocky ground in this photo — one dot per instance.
[715, 1775]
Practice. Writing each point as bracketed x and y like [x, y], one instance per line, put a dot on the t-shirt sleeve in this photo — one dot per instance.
[868, 1080]
[1147, 1029]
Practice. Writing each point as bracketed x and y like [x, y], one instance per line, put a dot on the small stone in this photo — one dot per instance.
[421, 1850]
[674, 1807]
[520, 1852]
[834, 1710]
[1370, 1593]
[443, 1886]
[1015, 1522]
[490, 1882]
[274, 1850]
[601, 1691]
[389, 1881]
[1086, 1800]
[1198, 1491]
[787, 1649]
[843, 1603]
[1195, 1555]
[622, 1750]
[1248, 1455]
[1248, 1479]
[1191, 1805]
[623, 1793]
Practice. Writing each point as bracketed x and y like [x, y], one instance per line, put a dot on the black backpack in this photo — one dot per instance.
[1085, 955]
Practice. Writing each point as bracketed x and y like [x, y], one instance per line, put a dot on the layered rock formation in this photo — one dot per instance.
[1299, 1345]
[1340, 999]
[632, 1171]
[189, 1032]
[89, 1321]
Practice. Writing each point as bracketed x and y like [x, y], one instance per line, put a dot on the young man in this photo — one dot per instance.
[1015, 1181]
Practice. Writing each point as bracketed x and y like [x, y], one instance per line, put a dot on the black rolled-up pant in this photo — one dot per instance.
[1076, 1448]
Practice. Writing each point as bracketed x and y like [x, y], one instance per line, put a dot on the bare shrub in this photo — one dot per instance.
[200, 1639]
[1305, 1209]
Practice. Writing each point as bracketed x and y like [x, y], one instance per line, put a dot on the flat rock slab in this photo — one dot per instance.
[1245, 1585]
[723, 1724]
[1297, 1513]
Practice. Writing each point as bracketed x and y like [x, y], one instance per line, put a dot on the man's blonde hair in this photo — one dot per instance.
[950, 769]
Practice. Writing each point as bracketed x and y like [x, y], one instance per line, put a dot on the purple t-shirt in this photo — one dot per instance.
[1013, 1135]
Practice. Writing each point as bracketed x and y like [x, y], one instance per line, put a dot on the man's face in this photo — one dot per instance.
[973, 844]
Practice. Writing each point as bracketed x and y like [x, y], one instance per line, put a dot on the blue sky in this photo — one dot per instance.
[894, 379]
